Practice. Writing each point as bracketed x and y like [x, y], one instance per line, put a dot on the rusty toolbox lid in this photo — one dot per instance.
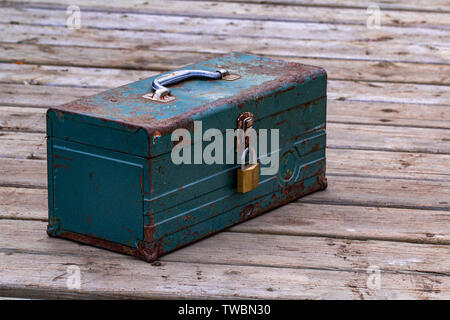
[258, 77]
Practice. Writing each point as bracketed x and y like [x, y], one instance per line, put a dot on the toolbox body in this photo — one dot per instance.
[111, 181]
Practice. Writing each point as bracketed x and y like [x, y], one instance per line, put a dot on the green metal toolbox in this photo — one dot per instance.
[138, 169]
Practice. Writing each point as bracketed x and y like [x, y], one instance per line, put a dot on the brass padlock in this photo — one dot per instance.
[247, 175]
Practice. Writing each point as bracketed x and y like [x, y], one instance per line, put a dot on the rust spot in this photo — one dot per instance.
[315, 147]
[323, 182]
[148, 254]
[55, 156]
[156, 134]
[97, 242]
[389, 110]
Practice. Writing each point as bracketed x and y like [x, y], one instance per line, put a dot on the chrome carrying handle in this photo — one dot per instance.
[159, 83]
[161, 93]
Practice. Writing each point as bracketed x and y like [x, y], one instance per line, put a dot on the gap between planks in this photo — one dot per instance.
[188, 280]
[404, 5]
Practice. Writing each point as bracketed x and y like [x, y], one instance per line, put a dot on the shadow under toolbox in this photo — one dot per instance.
[112, 181]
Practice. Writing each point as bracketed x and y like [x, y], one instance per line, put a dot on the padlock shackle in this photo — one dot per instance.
[253, 152]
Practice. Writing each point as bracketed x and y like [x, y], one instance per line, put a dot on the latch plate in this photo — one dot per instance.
[244, 121]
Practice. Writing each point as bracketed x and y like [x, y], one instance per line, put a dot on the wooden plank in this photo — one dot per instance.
[13, 73]
[22, 119]
[47, 275]
[388, 92]
[19, 145]
[404, 165]
[393, 114]
[362, 163]
[110, 77]
[246, 28]
[314, 252]
[384, 192]
[23, 173]
[25, 203]
[97, 57]
[41, 96]
[392, 51]
[371, 137]
[240, 11]
[353, 222]
[252, 249]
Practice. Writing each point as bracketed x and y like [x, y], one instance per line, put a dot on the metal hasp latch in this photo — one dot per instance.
[248, 174]
[162, 94]
[244, 121]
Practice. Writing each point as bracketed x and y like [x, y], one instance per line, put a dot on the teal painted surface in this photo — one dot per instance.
[107, 135]
[98, 192]
[206, 227]
[120, 184]
[190, 94]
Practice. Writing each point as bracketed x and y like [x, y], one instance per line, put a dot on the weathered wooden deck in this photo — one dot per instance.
[387, 206]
